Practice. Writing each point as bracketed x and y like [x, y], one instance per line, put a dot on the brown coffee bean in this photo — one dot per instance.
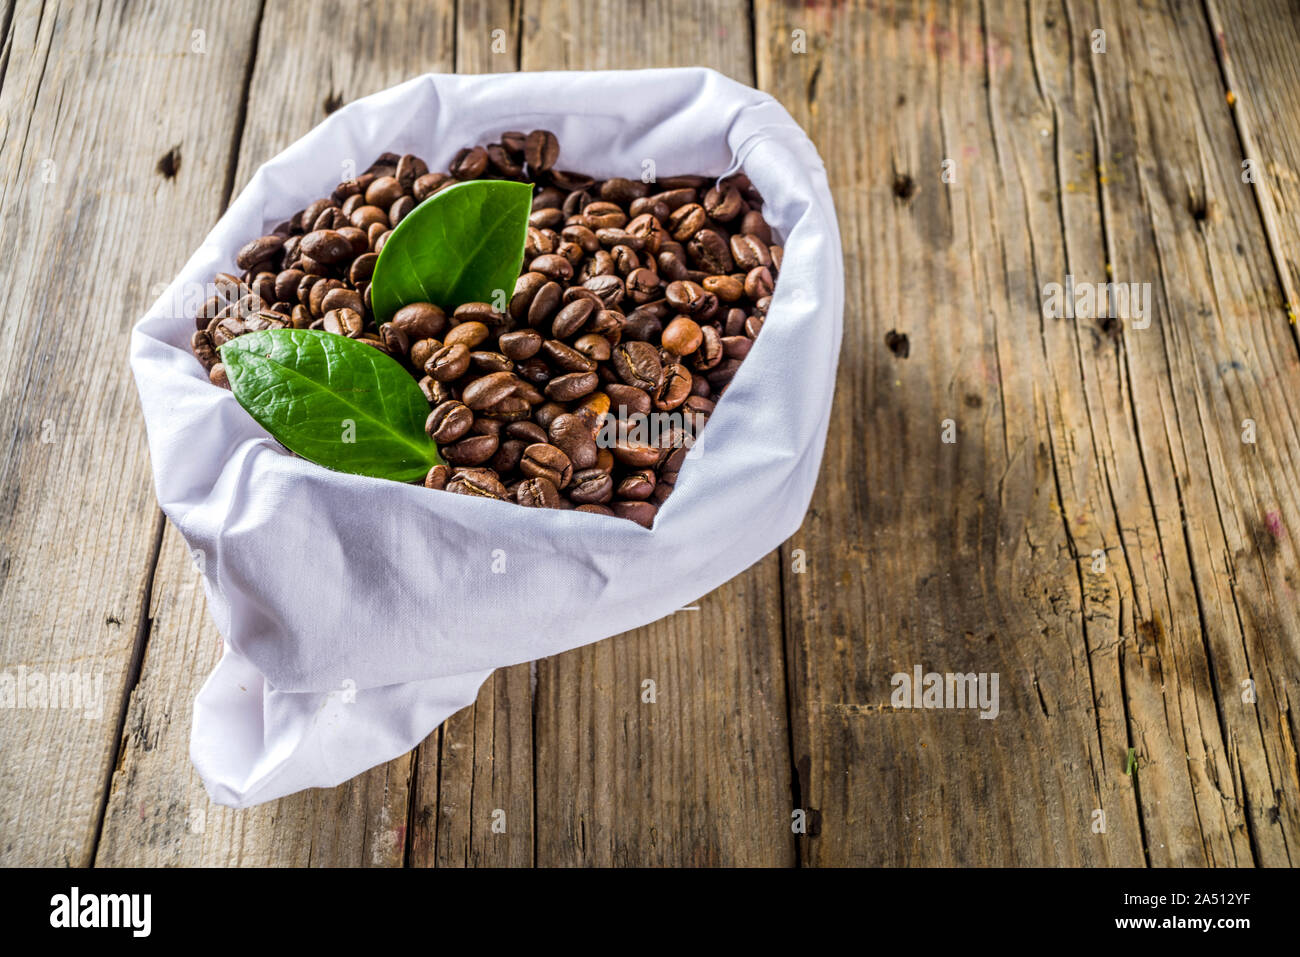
[723, 203]
[541, 150]
[566, 358]
[736, 347]
[643, 513]
[428, 184]
[420, 320]
[384, 191]
[217, 376]
[396, 343]
[497, 394]
[468, 334]
[682, 336]
[286, 284]
[573, 317]
[469, 163]
[686, 221]
[520, 344]
[637, 485]
[710, 253]
[437, 477]
[538, 492]
[342, 298]
[722, 374]
[749, 252]
[582, 236]
[449, 422]
[552, 266]
[344, 322]
[573, 436]
[526, 287]
[422, 350]
[637, 364]
[591, 486]
[752, 326]
[471, 450]
[201, 344]
[548, 462]
[363, 217]
[594, 346]
[758, 282]
[627, 400]
[491, 361]
[400, 209]
[726, 288]
[595, 509]
[479, 312]
[258, 251]
[544, 304]
[674, 388]
[483, 483]
[449, 362]
[755, 225]
[571, 386]
[327, 246]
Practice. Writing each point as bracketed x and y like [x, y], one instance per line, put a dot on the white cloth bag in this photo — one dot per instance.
[358, 614]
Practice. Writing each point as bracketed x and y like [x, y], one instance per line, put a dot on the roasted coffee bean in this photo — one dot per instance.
[449, 422]
[258, 251]
[725, 288]
[628, 400]
[643, 513]
[736, 347]
[504, 162]
[637, 485]
[544, 304]
[709, 354]
[428, 184]
[478, 312]
[469, 163]
[520, 344]
[201, 343]
[749, 252]
[526, 430]
[610, 289]
[722, 374]
[573, 436]
[552, 266]
[674, 388]
[469, 334]
[752, 326]
[723, 203]
[344, 322]
[497, 395]
[217, 376]
[573, 317]
[546, 461]
[400, 209]
[437, 477]
[471, 450]
[682, 336]
[363, 217]
[481, 482]
[686, 221]
[396, 343]
[581, 236]
[734, 325]
[422, 350]
[420, 320]
[491, 361]
[448, 363]
[758, 282]
[286, 284]
[591, 486]
[326, 245]
[538, 492]
[507, 456]
[384, 191]
[340, 297]
[637, 364]
[541, 150]
[755, 225]
[594, 346]
[566, 358]
[571, 386]
[710, 253]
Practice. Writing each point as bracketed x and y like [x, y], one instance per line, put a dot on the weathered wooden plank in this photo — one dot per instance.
[310, 59]
[102, 225]
[1072, 435]
[1257, 43]
[473, 798]
[702, 775]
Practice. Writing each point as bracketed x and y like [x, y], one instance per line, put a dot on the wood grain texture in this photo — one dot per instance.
[302, 70]
[78, 520]
[702, 775]
[1073, 435]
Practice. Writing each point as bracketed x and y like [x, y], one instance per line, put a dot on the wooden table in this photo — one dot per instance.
[1113, 529]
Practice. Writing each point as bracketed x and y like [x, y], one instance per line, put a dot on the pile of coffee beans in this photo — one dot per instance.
[637, 301]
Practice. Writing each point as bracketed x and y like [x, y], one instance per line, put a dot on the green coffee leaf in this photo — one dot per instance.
[335, 401]
[460, 245]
